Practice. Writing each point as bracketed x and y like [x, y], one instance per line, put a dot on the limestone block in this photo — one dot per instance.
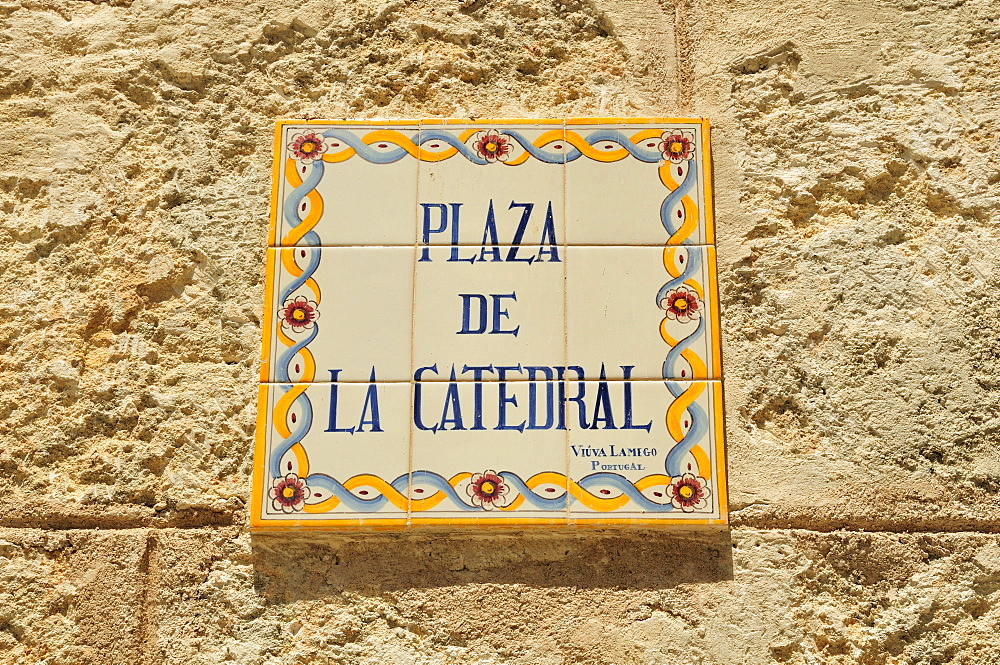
[73, 596]
[134, 203]
[743, 598]
[855, 169]
[857, 272]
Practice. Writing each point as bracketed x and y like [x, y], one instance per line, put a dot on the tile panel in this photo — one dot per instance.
[405, 255]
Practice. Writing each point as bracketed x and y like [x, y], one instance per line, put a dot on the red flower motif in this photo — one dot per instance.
[487, 490]
[298, 314]
[677, 145]
[492, 146]
[289, 494]
[307, 146]
[689, 492]
[681, 305]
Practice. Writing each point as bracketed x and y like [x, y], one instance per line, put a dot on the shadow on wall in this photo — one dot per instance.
[292, 566]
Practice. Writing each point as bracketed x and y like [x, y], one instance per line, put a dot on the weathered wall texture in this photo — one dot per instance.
[858, 192]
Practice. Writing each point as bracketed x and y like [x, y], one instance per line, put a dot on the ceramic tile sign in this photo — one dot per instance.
[502, 322]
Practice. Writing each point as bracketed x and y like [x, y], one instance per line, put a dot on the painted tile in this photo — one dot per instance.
[488, 452]
[496, 183]
[357, 186]
[637, 184]
[332, 452]
[651, 309]
[338, 313]
[489, 312]
[650, 450]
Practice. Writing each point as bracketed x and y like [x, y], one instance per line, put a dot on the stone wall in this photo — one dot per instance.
[857, 189]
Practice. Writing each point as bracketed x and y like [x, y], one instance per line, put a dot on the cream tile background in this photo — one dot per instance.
[365, 313]
[612, 312]
[650, 400]
[343, 455]
[356, 209]
[618, 203]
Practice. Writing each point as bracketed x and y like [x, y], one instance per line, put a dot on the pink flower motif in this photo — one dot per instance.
[307, 146]
[689, 492]
[677, 145]
[289, 494]
[298, 314]
[492, 146]
[487, 490]
[681, 305]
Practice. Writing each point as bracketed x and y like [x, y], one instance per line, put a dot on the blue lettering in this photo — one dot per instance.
[418, 397]
[467, 299]
[603, 403]
[451, 400]
[371, 402]
[497, 313]
[477, 393]
[334, 394]
[627, 374]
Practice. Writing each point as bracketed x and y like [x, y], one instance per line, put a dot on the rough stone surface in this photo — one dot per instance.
[750, 596]
[857, 190]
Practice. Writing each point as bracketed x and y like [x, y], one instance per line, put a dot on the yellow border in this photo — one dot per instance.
[721, 487]
[677, 526]
[272, 233]
[713, 291]
[259, 458]
[706, 169]
[571, 520]
[268, 320]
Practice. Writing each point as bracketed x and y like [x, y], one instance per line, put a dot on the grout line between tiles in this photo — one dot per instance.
[461, 244]
[525, 381]
[565, 323]
[413, 332]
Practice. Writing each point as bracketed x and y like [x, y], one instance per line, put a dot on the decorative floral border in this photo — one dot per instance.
[292, 488]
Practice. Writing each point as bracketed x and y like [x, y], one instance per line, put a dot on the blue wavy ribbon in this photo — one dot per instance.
[374, 156]
[699, 426]
[625, 485]
[449, 138]
[675, 197]
[694, 264]
[290, 213]
[348, 498]
[307, 272]
[670, 362]
[290, 209]
[555, 503]
[365, 151]
[441, 483]
[285, 359]
[305, 406]
[640, 153]
[536, 152]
